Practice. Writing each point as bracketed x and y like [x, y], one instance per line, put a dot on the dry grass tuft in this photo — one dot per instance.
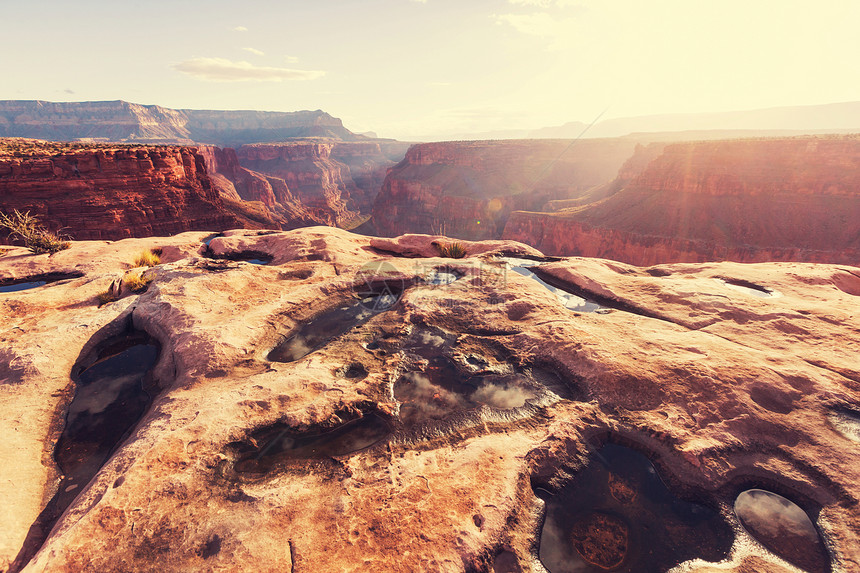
[35, 236]
[148, 258]
[136, 283]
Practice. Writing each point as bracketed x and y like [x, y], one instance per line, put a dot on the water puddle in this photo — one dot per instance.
[747, 287]
[782, 527]
[442, 277]
[434, 387]
[34, 282]
[321, 330]
[618, 515]
[272, 447]
[569, 300]
[207, 240]
[846, 423]
[112, 395]
[15, 287]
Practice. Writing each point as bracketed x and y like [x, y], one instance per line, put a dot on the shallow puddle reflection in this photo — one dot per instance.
[569, 300]
[112, 394]
[618, 515]
[783, 527]
[326, 327]
[277, 444]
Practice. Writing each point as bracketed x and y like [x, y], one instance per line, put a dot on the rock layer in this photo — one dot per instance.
[794, 199]
[110, 191]
[723, 390]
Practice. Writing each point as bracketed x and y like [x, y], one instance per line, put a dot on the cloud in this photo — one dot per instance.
[223, 70]
[291, 59]
[68, 91]
[420, 1]
[240, 29]
[255, 51]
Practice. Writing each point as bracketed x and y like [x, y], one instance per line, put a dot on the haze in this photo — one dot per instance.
[426, 69]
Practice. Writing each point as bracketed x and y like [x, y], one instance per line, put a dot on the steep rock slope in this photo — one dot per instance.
[468, 189]
[110, 191]
[263, 198]
[745, 200]
[433, 429]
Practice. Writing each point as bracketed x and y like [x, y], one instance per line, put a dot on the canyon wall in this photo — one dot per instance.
[261, 198]
[792, 199]
[335, 181]
[468, 189]
[111, 191]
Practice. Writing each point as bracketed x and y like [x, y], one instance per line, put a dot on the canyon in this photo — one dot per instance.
[746, 200]
[786, 199]
[270, 169]
[469, 189]
[444, 425]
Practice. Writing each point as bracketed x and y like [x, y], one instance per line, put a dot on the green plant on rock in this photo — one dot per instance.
[452, 250]
[34, 235]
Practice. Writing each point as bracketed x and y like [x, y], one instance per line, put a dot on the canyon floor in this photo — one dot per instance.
[314, 400]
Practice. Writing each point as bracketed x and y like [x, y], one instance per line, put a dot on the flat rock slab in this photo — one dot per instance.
[723, 390]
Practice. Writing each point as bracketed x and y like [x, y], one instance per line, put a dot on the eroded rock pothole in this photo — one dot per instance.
[273, 448]
[569, 300]
[329, 325]
[618, 515]
[17, 285]
[782, 527]
[114, 388]
[432, 386]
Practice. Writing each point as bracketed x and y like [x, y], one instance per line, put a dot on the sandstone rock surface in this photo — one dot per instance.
[723, 389]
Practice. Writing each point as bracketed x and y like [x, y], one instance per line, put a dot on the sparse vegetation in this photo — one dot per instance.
[107, 296]
[136, 283]
[452, 250]
[34, 235]
[148, 258]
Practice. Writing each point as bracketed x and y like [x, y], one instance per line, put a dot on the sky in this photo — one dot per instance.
[421, 69]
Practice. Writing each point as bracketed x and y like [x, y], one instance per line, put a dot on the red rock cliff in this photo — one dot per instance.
[468, 189]
[335, 180]
[110, 191]
[264, 199]
[795, 199]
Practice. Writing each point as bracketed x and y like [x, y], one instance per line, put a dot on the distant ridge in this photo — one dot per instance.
[776, 121]
[122, 121]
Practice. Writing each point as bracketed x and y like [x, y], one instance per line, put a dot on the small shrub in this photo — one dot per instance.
[148, 258]
[452, 250]
[35, 236]
[136, 283]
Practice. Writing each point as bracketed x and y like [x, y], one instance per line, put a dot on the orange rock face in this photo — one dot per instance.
[469, 188]
[110, 191]
[794, 199]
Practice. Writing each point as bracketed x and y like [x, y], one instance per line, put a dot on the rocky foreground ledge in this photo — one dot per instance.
[315, 400]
